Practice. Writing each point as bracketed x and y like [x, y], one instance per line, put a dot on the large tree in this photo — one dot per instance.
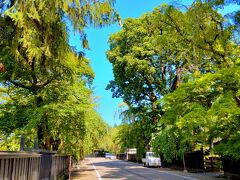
[205, 109]
[39, 68]
[157, 52]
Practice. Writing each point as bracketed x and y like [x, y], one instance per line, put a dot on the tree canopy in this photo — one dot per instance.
[45, 83]
[178, 72]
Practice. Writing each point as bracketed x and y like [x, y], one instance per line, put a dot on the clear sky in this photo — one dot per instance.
[98, 42]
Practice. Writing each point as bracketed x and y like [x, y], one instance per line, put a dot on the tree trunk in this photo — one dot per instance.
[184, 165]
[211, 156]
[43, 134]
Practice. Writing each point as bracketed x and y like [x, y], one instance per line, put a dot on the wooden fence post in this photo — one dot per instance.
[22, 142]
[35, 143]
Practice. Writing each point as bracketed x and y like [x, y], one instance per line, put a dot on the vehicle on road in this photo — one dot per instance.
[110, 156]
[151, 159]
[107, 156]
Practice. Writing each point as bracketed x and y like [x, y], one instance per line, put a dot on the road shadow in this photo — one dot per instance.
[124, 170]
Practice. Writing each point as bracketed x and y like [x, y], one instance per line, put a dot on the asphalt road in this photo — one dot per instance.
[101, 169]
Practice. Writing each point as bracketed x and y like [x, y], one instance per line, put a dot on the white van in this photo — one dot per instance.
[151, 159]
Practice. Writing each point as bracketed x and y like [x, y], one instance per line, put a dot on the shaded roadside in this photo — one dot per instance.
[83, 170]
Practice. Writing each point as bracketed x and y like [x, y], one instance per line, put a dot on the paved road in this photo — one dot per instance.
[101, 169]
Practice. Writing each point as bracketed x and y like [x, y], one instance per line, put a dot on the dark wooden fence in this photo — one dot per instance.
[231, 167]
[174, 164]
[194, 161]
[33, 165]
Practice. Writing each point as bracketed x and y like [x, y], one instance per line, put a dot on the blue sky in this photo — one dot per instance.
[98, 42]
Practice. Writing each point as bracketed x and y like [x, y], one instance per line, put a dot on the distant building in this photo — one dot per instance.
[131, 154]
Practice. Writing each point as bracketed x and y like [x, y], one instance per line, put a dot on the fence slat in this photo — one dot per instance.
[2, 168]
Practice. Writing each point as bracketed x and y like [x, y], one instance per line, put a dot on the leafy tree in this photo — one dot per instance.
[96, 131]
[190, 122]
[200, 113]
[135, 131]
[157, 52]
[152, 53]
[44, 80]
[109, 142]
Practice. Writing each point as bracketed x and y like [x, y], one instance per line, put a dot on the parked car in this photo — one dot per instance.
[107, 156]
[151, 159]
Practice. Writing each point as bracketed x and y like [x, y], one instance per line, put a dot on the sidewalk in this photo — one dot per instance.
[83, 171]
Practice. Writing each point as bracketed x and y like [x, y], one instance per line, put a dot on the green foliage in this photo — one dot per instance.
[132, 136]
[45, 83]
[179, 73]
[153, 53]
[96, 130]
[67, 113]
[200, 112]
[109, 142]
